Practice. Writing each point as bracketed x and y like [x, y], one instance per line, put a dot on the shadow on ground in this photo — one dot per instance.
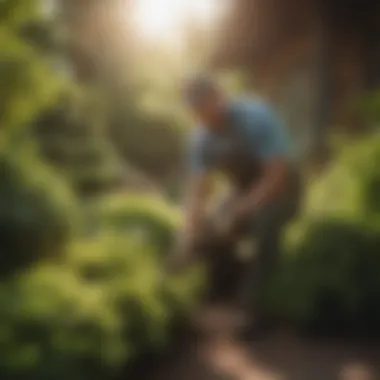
[280, 357]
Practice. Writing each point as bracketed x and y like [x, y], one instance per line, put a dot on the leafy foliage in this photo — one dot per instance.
[153, 218]
[86, 317]
[336, 262]
[329, 277]
[82, 290]
[37, 214]
[81, 293]
[75, 143]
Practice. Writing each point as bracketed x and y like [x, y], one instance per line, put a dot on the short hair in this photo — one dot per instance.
[198, 88]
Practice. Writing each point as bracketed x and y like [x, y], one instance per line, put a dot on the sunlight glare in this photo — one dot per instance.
[167, 18]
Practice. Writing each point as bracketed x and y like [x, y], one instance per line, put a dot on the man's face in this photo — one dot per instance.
[210, 111]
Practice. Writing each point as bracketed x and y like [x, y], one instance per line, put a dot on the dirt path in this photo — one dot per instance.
[215, 356]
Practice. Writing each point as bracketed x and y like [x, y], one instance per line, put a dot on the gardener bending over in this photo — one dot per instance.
[244, 140]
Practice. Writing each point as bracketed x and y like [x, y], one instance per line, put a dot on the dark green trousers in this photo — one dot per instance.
[244, 280]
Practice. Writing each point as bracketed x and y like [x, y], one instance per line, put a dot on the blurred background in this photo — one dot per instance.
[91, 169]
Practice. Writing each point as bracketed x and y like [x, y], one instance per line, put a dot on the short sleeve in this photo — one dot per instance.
[268, 134]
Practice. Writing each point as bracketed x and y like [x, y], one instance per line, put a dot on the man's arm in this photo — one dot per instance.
[273, 182]
[198, 188]
[197, 195]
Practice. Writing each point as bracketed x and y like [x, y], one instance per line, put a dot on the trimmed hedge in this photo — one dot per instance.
[152, 218]
[37, 212]
[105, 305]
[329, 277]
[82, 306]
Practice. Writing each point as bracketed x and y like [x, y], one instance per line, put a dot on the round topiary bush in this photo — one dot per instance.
[150, 217]
[89, 316]
[36, 212]
[331, 278]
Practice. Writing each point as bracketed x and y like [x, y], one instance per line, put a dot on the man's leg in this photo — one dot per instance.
[259, 270]
[267, 228]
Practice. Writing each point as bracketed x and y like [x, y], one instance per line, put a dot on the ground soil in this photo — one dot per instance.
[213, 354]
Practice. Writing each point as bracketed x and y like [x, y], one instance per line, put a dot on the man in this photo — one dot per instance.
[244, 140]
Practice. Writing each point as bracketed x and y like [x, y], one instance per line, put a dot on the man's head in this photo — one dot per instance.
[206, 100]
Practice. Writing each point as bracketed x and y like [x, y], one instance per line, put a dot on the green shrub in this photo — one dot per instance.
[151, 217]
[133, 270]
[331, 278]
[363, 160]
[86, 318]
[350, 185]
[36, 212]
[330, 274]
[58, 327]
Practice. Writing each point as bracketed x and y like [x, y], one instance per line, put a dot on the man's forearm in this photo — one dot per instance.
[193, 215]
[195, 206]
[267, 189]
[271, 185]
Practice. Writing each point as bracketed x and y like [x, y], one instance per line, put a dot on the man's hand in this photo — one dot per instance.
[224, 228]
[198, 190]
[242, 210]
[232, 223]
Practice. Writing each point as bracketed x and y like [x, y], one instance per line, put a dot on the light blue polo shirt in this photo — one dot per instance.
[264, 136]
